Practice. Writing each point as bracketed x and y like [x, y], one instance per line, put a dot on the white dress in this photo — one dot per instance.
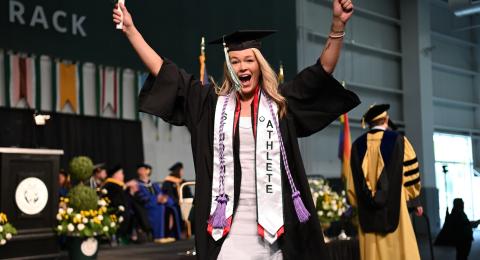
[243, 241]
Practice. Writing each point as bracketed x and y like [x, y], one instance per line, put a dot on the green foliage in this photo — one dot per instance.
[7, 231]
[80, 168]
[83, 198]
[8, 228]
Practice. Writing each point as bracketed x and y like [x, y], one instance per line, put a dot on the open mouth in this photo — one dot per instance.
[245, 79]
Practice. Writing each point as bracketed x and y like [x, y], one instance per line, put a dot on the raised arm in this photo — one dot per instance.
[149, 57]
[342, 11]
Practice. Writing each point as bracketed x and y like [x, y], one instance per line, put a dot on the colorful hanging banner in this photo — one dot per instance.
[67, 87]
[21, 83]
[38, 84]
[109, 89]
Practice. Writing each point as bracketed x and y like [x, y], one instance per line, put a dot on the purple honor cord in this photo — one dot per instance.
[218, 220]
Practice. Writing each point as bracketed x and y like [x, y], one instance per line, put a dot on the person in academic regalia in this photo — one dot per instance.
[116, 193]
[384, 177]
[163, 213]
[171, 184]
[171, 187]
[252, 199]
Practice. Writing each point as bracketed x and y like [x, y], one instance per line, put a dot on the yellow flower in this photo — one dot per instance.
[97, 220]
[3, 218]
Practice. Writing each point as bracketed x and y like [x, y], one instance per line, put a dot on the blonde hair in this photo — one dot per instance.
[268, 82]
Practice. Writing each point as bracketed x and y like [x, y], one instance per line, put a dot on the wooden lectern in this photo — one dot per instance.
[29, 197]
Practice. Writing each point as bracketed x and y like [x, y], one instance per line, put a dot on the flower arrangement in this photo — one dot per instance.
[82, 213]
[101, 221]
[329, 204]
[6, 229]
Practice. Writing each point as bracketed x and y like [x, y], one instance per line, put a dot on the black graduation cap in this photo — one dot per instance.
[113, 170]
[176, 166]
[144, 165]
[374, 112]
[243, 39]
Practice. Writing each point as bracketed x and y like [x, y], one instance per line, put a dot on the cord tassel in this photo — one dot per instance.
[217, 220]
[302, 212]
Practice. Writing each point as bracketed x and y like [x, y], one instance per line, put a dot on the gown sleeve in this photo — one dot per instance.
[315, 99]
[411, 173]
[174, 95]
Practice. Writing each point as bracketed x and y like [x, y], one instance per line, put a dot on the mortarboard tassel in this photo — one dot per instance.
[236, 82]
[281, 77]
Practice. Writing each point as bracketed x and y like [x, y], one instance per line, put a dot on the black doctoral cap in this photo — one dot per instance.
[144, 165]
[176, 166]
[375, 112]
[114, 170]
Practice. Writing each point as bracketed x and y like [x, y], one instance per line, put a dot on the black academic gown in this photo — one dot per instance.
[314, 100]
[118, 197]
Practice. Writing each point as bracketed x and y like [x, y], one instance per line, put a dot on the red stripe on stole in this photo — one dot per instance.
[261, 231]
[209, 229]
[280, 231]
[255, 111]
[227, 228]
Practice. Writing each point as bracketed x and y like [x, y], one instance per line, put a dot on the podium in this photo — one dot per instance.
[29, 197]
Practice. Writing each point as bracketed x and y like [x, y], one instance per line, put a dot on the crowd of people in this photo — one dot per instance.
[152, 211]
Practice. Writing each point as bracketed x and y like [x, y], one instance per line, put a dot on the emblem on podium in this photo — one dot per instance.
[31, 196]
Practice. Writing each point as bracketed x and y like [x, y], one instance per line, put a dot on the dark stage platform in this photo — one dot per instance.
[172, 251]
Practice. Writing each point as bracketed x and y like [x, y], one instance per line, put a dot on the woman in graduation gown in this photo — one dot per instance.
[276, 116]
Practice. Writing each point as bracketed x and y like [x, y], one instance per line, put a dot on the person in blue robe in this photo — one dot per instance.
[162, 210]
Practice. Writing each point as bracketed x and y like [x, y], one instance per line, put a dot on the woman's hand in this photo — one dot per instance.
[149, 57]
[123, 15]
[342, 11]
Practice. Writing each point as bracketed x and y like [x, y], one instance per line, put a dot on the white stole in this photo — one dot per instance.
[268, 172]
[229, 116]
